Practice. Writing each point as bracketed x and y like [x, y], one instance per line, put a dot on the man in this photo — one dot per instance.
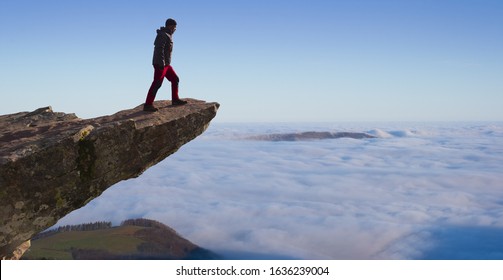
[163, 46]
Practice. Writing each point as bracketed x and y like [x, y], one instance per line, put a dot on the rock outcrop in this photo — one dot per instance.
[53, 163]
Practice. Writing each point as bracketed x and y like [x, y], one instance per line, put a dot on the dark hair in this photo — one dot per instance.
[170, 21]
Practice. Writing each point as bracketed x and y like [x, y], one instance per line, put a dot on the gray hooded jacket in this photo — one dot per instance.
[163, 46]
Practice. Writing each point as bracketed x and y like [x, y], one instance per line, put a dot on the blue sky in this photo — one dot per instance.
[263, 61]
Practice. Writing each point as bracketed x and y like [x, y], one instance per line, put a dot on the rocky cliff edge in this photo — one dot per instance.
[53, 163]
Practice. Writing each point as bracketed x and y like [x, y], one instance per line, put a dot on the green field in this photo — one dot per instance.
[117, 240]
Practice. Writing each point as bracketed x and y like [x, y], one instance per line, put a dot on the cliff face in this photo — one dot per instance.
[53, 163]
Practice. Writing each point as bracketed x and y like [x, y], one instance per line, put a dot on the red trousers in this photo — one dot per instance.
[159, 74]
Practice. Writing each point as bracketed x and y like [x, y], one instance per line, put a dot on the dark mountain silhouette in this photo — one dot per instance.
[310, 135]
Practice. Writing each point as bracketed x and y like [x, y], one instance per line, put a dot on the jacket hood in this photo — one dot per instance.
[162, 29]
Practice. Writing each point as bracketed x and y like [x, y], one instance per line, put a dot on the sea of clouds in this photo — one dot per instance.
[417, 191]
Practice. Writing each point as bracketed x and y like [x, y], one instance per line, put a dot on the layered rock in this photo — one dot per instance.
[53, 163]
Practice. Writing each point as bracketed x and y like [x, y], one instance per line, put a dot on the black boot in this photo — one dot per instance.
[149, 108]
[176, 102]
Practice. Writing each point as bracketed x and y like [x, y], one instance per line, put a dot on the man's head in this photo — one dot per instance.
[171, 25]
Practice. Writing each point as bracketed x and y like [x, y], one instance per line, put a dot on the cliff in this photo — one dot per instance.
[53, 163]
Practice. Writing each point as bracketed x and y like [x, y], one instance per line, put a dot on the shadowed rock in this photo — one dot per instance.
[53, 163]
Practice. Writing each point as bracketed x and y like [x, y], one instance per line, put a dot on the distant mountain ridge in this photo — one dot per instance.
[134, 239]
[310, 135]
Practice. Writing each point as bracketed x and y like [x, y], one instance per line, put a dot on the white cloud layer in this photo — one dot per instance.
[418, 191]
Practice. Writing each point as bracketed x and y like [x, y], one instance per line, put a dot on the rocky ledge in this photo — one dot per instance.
[53, 163]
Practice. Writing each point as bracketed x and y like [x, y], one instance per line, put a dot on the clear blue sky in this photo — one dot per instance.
[262, 60]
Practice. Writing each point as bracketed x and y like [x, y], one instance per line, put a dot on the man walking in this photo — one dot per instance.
[163, 46]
